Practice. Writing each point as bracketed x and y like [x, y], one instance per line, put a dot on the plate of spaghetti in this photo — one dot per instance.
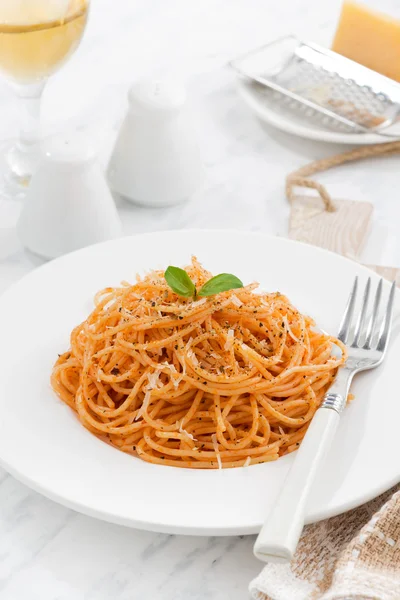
[145, 384]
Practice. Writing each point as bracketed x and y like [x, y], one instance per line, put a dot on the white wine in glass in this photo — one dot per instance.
[36, 37]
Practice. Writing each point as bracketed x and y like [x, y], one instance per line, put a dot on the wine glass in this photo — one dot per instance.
[36, 38]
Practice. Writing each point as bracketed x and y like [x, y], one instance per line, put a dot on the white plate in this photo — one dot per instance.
[43, 444]
[290, 122]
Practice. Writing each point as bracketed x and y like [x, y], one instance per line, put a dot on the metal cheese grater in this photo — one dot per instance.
[323, 85]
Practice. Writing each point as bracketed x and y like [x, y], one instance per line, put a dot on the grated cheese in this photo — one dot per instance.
[145, 405]
[176, 378]
[190, 436]
[229, 340]
[247, 461]
[177, 381]
[290, 332]
[198, 302]
[192, 357]
[153, 380]
[215, 444]
[108, 305]
[235, 300]
[175, 375]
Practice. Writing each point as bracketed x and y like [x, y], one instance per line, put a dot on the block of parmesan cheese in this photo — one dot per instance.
[369, 38]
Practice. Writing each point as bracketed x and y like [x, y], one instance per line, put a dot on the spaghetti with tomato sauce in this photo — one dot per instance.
[223, 381]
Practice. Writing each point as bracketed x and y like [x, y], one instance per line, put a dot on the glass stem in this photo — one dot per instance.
[24, 156]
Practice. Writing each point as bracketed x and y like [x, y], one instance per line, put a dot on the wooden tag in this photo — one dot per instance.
[344, 230]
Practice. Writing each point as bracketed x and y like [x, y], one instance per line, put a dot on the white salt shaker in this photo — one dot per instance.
[156, 160]
[68, 204]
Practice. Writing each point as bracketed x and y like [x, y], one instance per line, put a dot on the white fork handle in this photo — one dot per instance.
[281, 531]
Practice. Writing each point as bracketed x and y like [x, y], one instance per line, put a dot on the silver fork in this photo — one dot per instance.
[281, 531]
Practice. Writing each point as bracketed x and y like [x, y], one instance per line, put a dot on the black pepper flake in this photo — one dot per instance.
[283, 324]
[115, 371]
[204, 382]
[162, 457]
[180, 317]
[176, 346]
[153, 303]
[260, 325]
[280, 335]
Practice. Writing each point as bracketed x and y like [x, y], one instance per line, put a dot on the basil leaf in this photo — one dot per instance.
[220, 283]
[180, 282]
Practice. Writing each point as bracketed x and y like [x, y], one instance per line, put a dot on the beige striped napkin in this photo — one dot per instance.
[353, 556]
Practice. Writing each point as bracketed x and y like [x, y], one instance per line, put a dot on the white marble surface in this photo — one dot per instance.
[48, 552]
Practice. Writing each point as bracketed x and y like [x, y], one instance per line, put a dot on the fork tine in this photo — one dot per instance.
[387, 323]
[344, 328]
[374, 316]
[361, 316]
